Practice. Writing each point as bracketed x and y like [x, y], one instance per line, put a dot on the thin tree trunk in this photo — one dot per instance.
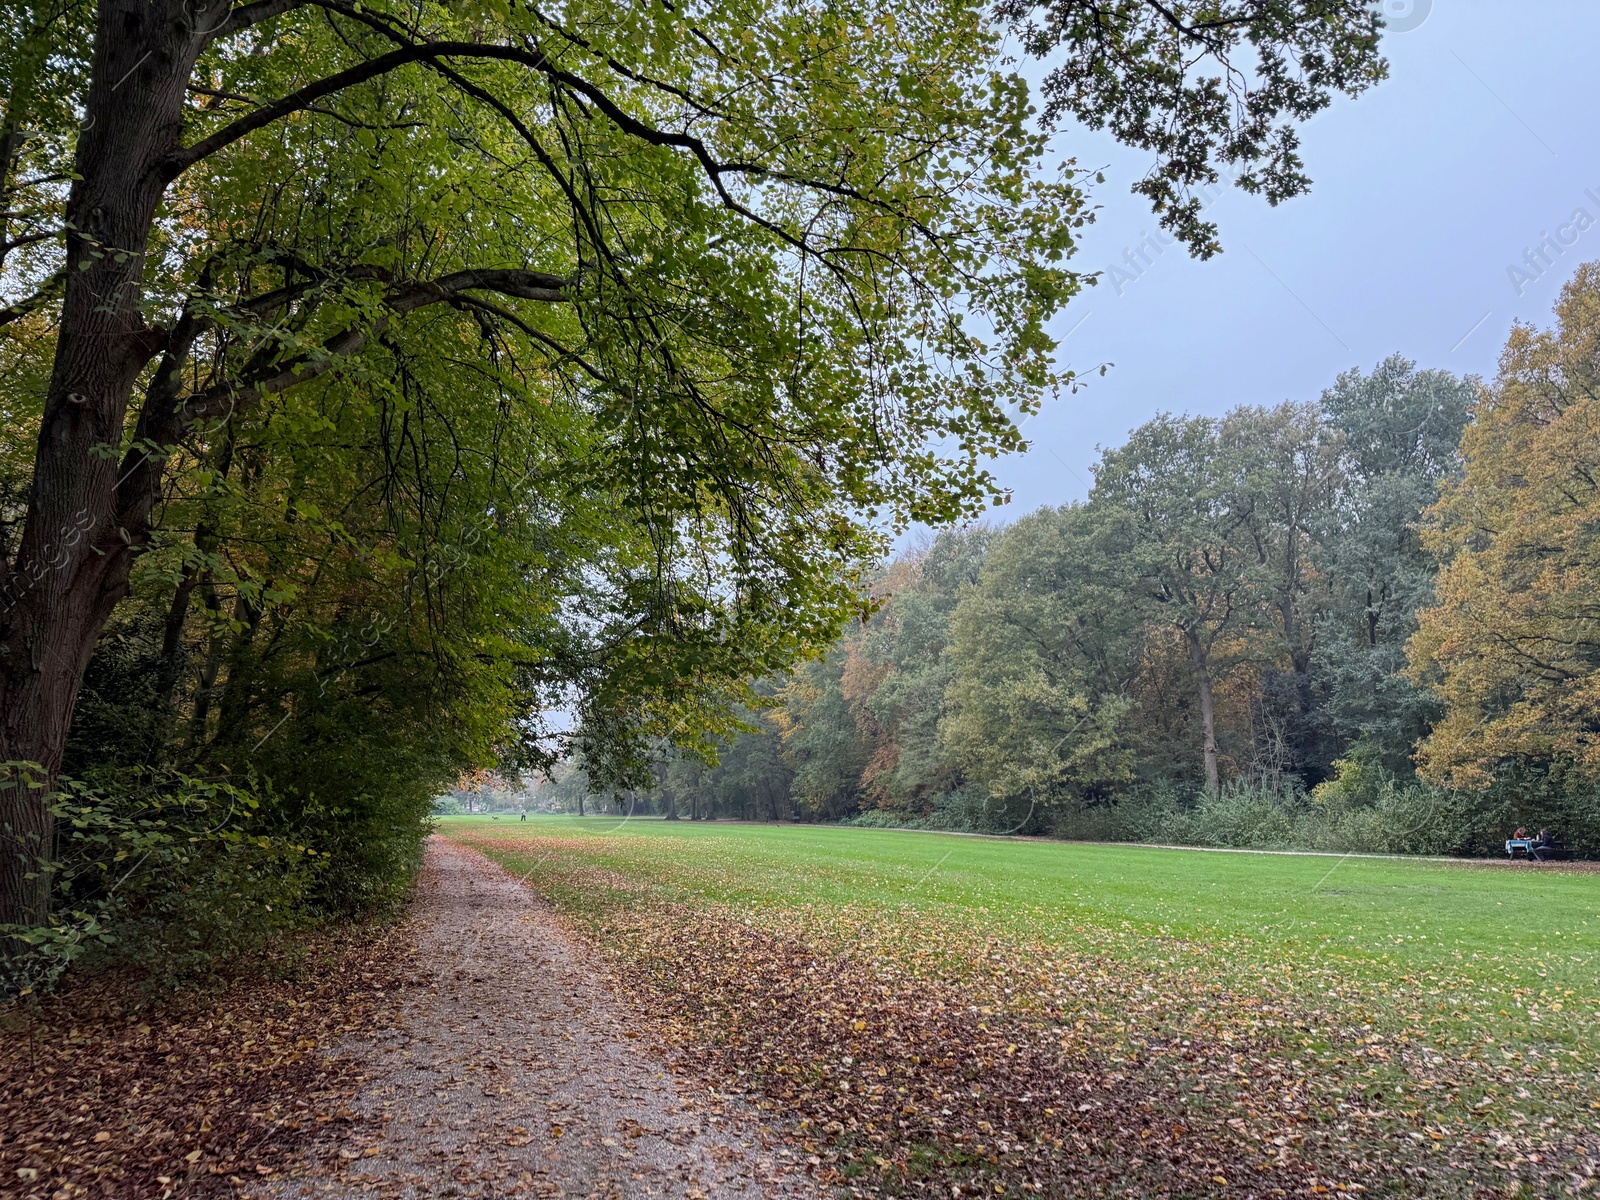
[1299, 652]
[669, 802]
[205, 687]
[205, 542]
[1208, 715]
[171, 661]
[233, 709]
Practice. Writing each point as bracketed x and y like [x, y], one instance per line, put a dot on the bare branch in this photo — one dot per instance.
[28, 239]
[247, 15]
[50, 290]
[563, 353]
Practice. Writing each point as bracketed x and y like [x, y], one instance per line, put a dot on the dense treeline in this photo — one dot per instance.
[1364, 623]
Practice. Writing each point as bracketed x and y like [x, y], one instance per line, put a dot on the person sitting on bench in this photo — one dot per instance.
[1543, 845]
[1519, 841]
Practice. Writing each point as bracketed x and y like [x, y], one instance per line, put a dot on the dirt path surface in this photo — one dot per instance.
[514, 1071]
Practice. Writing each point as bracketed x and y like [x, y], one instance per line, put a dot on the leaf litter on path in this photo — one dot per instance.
[515, 1071]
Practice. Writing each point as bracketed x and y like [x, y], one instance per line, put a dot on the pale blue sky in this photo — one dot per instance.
[1427, 190]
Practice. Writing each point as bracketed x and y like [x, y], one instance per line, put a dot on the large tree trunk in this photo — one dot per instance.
[1199, 659]
[88, 515]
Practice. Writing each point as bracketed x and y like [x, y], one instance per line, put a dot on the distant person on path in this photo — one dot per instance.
[524, 815]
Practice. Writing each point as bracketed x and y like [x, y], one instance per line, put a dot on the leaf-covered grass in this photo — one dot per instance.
[1289, 1015]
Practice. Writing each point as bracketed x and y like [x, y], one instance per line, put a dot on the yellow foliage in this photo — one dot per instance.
[1513, 641]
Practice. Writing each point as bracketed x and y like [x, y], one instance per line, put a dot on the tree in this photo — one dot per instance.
[907, 643]
[1041, 653]
[1296, 52]
[1175, 529]
[751, 779]
[823, 742]
[1290, 476]
[748, 248]
[1289, 480]
[1398, 429]
[1513, 642]
[745, 775]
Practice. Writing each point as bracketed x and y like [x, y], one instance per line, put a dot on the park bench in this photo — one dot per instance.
[1528, 848]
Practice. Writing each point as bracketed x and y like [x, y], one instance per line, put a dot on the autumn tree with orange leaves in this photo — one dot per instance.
[1513, 643]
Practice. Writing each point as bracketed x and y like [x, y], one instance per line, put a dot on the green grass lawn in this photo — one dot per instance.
[1519, 936]
[1482, 982]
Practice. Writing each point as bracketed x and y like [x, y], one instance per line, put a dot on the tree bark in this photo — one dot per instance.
[27, 837]
[1199, 659]
[87, 515]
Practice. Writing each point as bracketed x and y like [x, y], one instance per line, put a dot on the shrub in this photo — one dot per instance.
[163, 870]
[1363, 809]
[1144, 813]
[1248, 813]
[1537, 794]
[965, 810]
[1367, 809]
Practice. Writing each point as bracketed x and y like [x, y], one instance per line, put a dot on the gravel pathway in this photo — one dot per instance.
[516, 1071]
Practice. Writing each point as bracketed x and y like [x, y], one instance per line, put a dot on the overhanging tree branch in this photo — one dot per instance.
[50, 291]
[431, 54]
[226, 399]
[176, 164]
[246, 15]
[563, 353]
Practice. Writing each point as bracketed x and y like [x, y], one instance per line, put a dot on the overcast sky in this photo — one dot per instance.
[1427, 191]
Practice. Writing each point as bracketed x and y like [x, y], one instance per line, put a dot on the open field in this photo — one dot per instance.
[934, 1012]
